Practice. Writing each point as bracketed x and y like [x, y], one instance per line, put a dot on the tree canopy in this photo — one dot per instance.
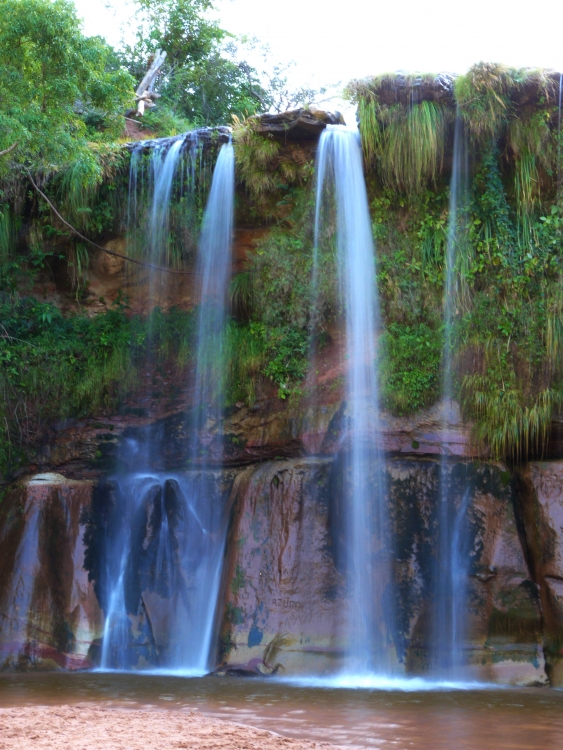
[60, 89]
[201, 81]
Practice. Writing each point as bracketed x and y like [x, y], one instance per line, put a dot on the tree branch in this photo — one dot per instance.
[7, 150]
[99, 247]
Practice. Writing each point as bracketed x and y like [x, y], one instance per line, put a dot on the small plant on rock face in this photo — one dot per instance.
[256, 158]
[268, 169]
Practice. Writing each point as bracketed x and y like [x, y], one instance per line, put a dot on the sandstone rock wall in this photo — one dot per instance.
[49, 614]
[286, 596]
[285, 599]
[540, 502]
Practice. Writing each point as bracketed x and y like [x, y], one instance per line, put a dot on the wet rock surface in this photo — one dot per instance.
[540, 500]
[285, 591]
[49, 614]
[298, 124]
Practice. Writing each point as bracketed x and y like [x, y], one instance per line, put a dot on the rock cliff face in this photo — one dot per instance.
[284, 592]
[284, 595]
[540, 502]
[49, 613]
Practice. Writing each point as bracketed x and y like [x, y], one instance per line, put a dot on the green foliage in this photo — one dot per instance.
[270, 171]
[214, 90]
[241, 295]
[257, 159]
[507, 310]
[53, 80]
[163, 121]
[54, 366]
[256, 351]
[281, 271]
[533, 148]
[403, 135]
[411, 367]
[486, 95]
[504, 425]
[85, 190]
[407, 144]
[200, 81]
[274, 295]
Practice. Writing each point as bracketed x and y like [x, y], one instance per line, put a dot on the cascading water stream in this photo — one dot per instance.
[182, 542]
[370, 623]
[163, 169]
[214, 270]
[452, 555]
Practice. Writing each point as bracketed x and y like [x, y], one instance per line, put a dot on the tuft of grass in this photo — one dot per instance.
[268, 169]
[487, 93]
[405, 142]
[246, 356]
[256, 158]
[532, 145]
[241, 295]
[504, 425]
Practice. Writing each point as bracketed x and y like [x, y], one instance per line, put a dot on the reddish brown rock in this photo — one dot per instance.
[49, 615]
[283, 603]
[540, 499]
[286, 598]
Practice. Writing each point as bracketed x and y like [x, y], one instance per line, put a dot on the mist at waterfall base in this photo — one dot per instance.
[168, 532]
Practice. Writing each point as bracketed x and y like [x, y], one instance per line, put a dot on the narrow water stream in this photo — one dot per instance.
[421, 719]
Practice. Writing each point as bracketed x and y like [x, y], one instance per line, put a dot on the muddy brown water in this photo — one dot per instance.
[439, 719]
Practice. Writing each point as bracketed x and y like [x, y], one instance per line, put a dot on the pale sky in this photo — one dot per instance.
[336, 41]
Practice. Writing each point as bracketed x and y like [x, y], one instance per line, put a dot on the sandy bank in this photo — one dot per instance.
[91, 727]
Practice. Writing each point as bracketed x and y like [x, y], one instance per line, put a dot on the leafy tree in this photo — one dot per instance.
[202, 79]
[60, 89]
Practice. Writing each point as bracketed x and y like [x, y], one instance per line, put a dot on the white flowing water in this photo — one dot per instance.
[170, 530]
[370, 620]
[214, 271]
[165, 561]
[452, 552]
[163, 169]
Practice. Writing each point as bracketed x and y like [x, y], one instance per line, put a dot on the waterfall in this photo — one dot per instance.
[163, 169]
[164, 558]
[340, 176]
[452, 553]
[214, 271]
[164, 547]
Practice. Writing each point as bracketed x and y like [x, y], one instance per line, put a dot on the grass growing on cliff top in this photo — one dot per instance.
[405, 143]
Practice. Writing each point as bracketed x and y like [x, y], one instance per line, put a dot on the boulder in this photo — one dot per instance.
[298, 124]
